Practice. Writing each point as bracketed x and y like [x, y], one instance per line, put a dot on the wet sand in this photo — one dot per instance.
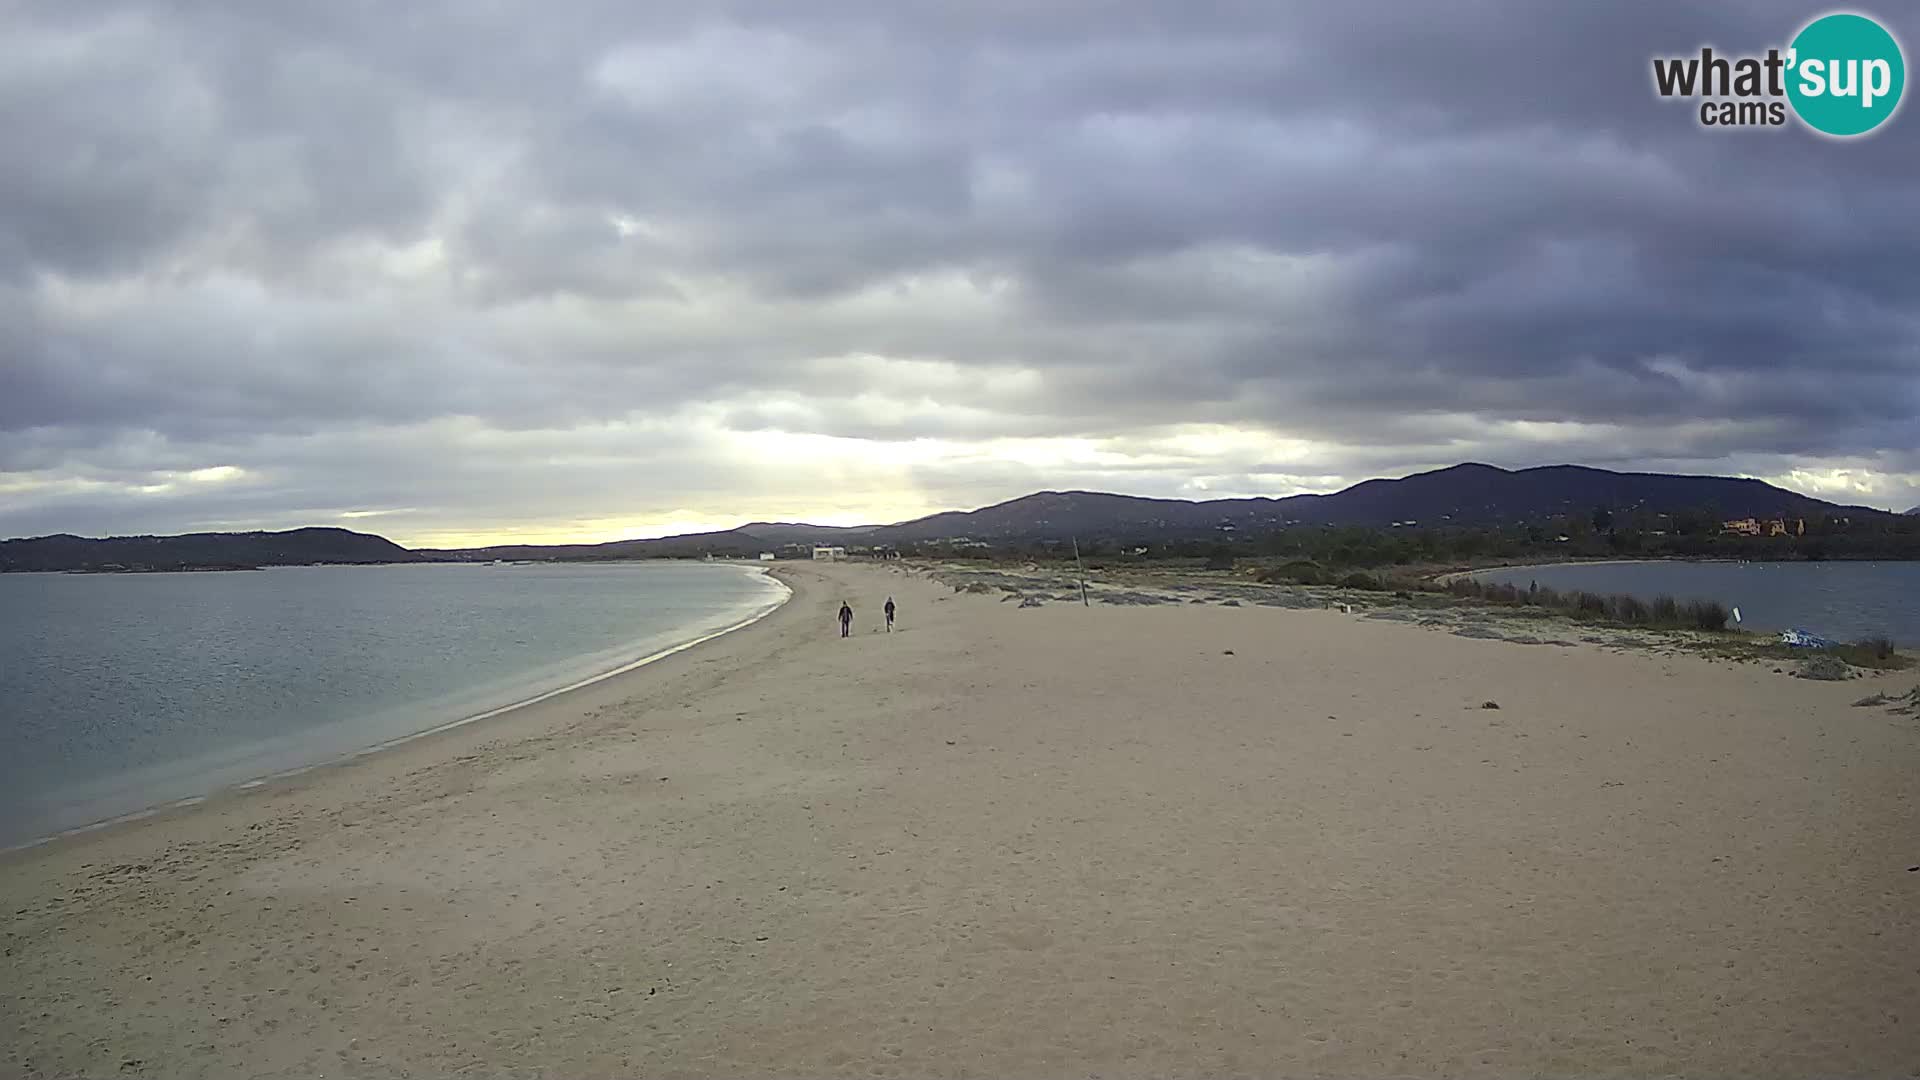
[1138, 840]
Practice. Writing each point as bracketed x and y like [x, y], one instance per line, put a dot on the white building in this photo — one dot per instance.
[766, 556]
[829, 554]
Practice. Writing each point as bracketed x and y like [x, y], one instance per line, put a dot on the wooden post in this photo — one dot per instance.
[1081, 568]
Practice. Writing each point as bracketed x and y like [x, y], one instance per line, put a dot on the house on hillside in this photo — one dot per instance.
[1756, 527]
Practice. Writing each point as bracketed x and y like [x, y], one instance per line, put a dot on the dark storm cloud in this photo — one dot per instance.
[1390, 235]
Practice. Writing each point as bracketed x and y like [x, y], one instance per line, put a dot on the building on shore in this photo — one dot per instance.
[829, 554]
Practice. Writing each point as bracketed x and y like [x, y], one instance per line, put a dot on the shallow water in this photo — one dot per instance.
[118, 692]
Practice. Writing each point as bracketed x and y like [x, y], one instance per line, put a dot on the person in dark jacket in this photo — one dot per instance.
[889, 614]
[846, 619]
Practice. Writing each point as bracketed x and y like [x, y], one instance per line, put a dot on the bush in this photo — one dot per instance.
[1824, 668]
[1874, 652]
[1357, 580]
[1663, 611]
[1631, 610]
[1879, 648]
[1296, 571]
[1705, 614]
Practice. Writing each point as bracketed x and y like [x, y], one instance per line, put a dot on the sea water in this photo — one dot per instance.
[124, 691]
[1842, 600]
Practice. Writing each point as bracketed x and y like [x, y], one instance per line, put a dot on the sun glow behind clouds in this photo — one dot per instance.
[844, 480]
[607, 530]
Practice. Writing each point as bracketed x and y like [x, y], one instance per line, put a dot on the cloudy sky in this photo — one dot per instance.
[472, 270]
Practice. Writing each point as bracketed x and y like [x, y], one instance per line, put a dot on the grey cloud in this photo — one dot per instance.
[1384, 229]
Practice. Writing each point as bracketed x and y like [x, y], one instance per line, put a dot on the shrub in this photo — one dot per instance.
[1357, 580]
[1663, 611]
[1705, 614]
[1825, 668]
[1880, 648]
[1631, 610]
[1874, 652]
[1298, 571]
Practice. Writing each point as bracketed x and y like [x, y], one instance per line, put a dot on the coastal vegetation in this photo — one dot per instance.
[1660, 613]
[1596, 534]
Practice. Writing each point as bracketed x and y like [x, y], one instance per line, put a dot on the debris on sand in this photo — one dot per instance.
[1129, 597]
[1032, 601]
[1489, 704]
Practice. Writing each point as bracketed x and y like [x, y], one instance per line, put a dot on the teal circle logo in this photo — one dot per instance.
[1845, 74]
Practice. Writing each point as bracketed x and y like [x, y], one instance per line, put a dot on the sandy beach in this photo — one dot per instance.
[1125, 840]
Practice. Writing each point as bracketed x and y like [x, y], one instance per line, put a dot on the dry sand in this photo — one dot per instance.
[1028, 842]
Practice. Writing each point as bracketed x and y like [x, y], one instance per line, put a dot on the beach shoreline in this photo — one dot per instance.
[1176, 839]
[255, 782]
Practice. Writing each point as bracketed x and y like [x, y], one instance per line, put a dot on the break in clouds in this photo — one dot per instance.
[453, 271]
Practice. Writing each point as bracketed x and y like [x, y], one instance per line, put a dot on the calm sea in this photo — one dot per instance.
[119, 692]
[1843, 600]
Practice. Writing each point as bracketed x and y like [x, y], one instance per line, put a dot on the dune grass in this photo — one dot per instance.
[1661, 613]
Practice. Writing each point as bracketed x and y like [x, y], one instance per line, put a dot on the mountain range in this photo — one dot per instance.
[1462, 495]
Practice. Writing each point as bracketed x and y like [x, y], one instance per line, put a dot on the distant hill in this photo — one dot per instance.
[1469, 494]
[1462, 495]
[200, 551]
[1484, 495]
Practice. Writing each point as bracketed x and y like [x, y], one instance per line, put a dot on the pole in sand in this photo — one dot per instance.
[1082, 571]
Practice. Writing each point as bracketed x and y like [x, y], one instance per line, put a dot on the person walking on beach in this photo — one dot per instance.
[846, 619]
[889, 614]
